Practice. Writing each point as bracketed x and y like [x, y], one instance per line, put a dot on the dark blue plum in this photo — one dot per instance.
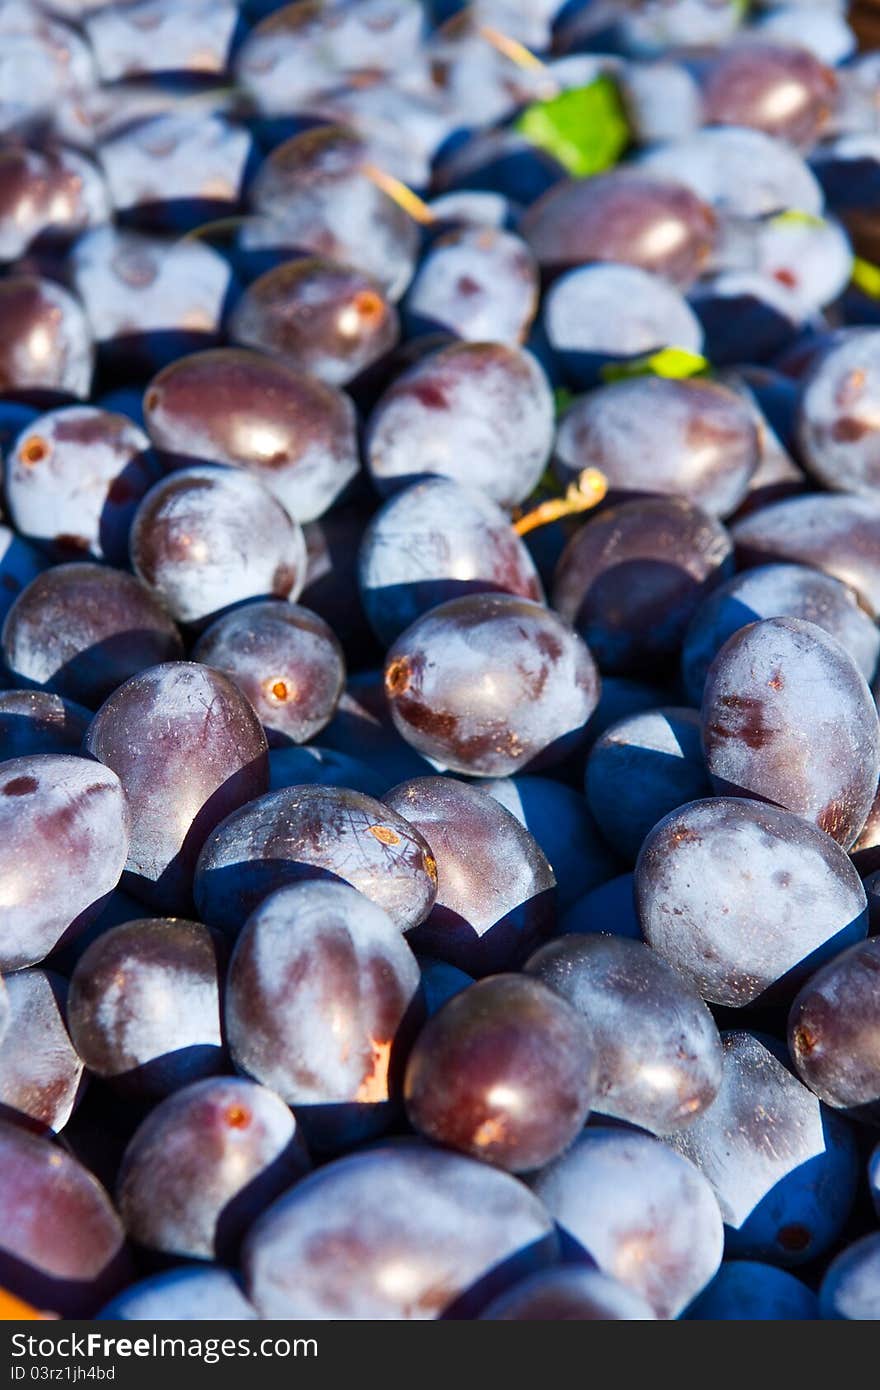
[748, 1291]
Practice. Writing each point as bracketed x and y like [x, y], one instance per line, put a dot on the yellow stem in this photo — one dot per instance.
[511, 48]
[404, 197]
[581, 496]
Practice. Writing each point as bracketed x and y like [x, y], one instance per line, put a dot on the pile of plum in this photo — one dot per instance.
[439, 580]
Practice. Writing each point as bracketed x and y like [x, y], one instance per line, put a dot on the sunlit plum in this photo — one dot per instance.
[647, 1216]
[74, 478]
[610, 313]
[147, 298]
[787, 716]
[631, 578]
[45, 339]
[838, 432]
[80, 630]
[251, 411]
[434, 541]
[207, 755]
[479, 283]
[495, 897]
[742, 897]
[657, 1048]
[692, 439]
[36, 721]
[747, 1291]
[162, 36]
[851, 1287]
[312, 195]
[287, 662]
[628, 215]
[321, 1001]
[144, 1005]
[569, 1293]
[41, 1074]
[62, 1246]
[811, 258]
[783, 1168]
[49, 195]
[840, 535]
[737, 170]
[490, 684]
[639, 770]
[560, 820]
[771, 591]
[315, 832]
[204, 1163]
[505, 1072]
[401, 1231]
[480, 413]
[834, 1031]
[318, 316]
[187, 1293]
[784, 91]
[64, 841]
[206, 538]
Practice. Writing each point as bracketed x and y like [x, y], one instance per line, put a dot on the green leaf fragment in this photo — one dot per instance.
[585, 128]
[672, 362]
[793, 217]
[866, 277]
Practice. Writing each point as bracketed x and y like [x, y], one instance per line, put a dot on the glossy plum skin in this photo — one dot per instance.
[480, 413]
[834, 1031]
[658, 1230]
[560, 821]
[850, 1287]
[693, 439]
[287, 662]
[783, 1168]
[658, 1050]
[771, 591]
[46, 339]
[321, 1000]
[321, 317]
[207, 538]
[639, 770]
[569, 1293]
[204, 1164]
[126, 986]
[784, 91]
[748, 1291]
[788, 717]
[504, 1072]
[495, 891]
[208, 756]
[837, 534]
[80, 630]
[64, 837]
[252, 411]
[490, 684]
[36, 721]
[615, 217]
[836, 428]
[631, 578]
[434, 541]
[479, 283]
[194, 39]
[41, 1075]
[397, 1231]
[74, 479]
[739, 171]
[49, 194]
[315, 832]
[744, 898]
[62, 1246]
[187, 1293]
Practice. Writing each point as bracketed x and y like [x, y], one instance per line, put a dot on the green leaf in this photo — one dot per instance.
[793, 217]
[673, 362]
[562, 399]
[585, 128]
[866, 277]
